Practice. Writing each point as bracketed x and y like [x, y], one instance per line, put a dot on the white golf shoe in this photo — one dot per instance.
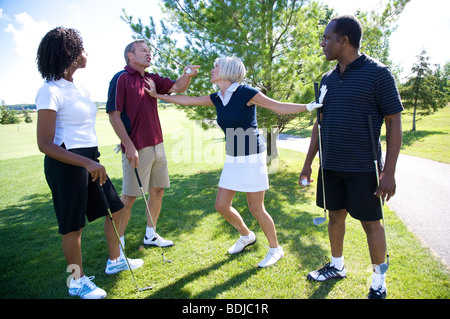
[242, 242]
[155, 239]
[85, 288]
[113, 267]
[272, 257]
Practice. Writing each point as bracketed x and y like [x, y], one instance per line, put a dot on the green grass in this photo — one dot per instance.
[33, 265]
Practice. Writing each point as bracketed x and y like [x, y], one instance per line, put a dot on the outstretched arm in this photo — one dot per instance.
[183, 82]
[279, 107]
[285, 108]
[178, 99]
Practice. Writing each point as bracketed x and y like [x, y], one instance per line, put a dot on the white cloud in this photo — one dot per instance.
[2, 15]
[28, 34]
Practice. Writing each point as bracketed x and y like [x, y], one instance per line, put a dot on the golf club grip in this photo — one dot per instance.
[316, 96]
[102, 194]
[372, 138]
[137, 176]
[316, 91]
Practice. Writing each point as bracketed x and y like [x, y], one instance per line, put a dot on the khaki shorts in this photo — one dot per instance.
[152, 169]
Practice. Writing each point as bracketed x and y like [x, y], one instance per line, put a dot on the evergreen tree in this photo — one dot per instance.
[278, 41]
[7, 116]
[424, 90]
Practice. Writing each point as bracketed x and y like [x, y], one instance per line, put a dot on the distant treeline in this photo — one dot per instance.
[19, 107]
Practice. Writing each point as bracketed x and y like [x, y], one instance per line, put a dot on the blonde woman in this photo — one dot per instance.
[245, 168]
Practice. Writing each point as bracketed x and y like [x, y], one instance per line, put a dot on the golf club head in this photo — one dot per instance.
[319, 220]
[145, 288]
[167, 261]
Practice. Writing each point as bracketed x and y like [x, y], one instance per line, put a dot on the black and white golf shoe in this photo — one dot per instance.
[327, 272]
[154, 241]
[376, 294]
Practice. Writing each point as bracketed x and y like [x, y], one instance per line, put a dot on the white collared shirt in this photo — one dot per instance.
[228, 93]
[75, 113]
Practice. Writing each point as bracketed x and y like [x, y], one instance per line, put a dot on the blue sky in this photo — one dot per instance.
[423, 24]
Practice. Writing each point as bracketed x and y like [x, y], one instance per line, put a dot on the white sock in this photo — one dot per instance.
[122, 241]
[378, 281]
[337, 262]
[150, 232]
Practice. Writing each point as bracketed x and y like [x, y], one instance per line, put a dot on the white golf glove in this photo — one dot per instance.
[118, 148]
[313, 105]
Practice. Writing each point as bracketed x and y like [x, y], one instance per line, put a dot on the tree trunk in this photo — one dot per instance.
[414, 116]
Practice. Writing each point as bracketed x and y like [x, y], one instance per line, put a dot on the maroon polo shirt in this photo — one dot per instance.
[139, 111]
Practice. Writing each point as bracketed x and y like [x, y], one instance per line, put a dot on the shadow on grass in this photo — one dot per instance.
[410, 137]
[31, 251]
[191, 198]
[33, 264]
[177, 289]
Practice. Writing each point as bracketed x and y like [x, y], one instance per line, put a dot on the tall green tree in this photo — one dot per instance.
[424, 89]
[278, 41]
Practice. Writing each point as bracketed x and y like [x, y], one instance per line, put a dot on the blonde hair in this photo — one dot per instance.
[231, 69]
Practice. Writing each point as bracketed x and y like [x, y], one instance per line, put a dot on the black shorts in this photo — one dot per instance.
[75, 196]
[351, 191]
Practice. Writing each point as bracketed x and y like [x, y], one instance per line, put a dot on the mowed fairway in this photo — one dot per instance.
[33, 265]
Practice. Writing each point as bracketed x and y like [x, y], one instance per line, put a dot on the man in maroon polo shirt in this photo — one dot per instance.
[134, 116]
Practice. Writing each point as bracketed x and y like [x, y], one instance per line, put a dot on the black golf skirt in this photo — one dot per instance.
[75, 196]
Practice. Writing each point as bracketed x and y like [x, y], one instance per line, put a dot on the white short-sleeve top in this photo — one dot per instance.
[75, 113]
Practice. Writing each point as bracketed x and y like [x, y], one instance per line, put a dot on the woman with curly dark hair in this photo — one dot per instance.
[66, 135]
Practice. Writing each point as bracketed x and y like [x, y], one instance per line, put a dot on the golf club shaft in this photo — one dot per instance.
[105, 202]
[147, 209]
[375, 161]
[316, 93]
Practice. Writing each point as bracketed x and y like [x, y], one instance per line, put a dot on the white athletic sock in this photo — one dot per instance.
[115, 260]
[150, 232]
[378, 281]
[337, 262]
[122, 241]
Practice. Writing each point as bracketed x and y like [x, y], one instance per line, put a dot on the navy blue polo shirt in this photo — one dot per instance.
[365, 87]
[238, 122]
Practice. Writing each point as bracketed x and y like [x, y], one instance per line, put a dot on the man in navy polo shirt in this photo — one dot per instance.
[134, 116]
[358, 86]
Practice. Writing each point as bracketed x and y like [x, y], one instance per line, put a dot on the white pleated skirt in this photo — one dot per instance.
[245, 173]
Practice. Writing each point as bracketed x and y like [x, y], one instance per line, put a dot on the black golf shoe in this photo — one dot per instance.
[376, 294]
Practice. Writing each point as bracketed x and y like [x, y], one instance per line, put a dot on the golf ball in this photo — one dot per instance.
[188, 70]
[304, 182]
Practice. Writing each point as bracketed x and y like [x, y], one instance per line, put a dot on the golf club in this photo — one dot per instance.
[150, 215]
[319, 220]
[105, 201]
[382, 268]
